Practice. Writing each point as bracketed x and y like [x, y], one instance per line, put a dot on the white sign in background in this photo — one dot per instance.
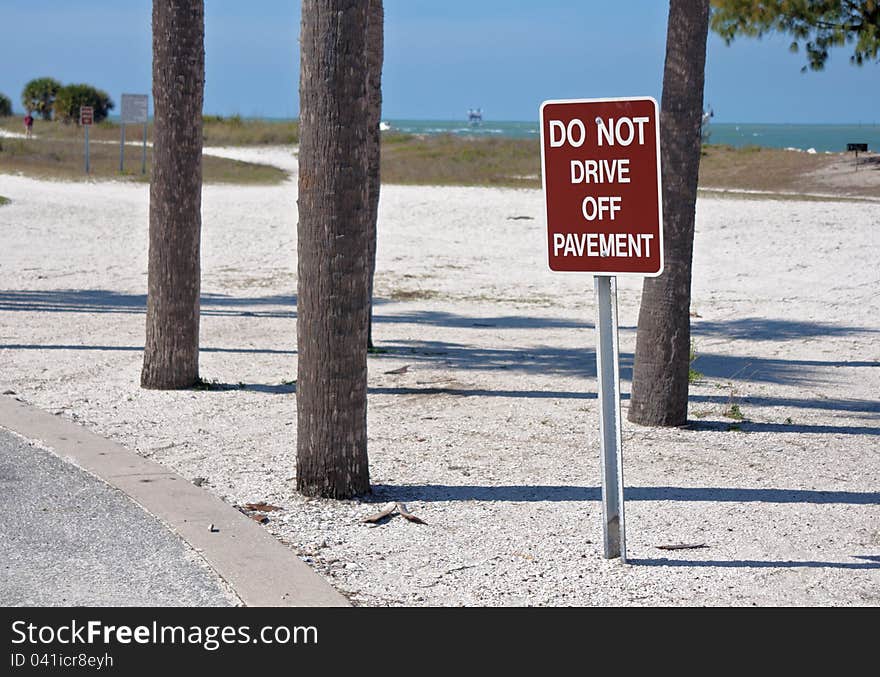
[134, 108]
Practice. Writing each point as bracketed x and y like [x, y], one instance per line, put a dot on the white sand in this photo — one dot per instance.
[491, 435]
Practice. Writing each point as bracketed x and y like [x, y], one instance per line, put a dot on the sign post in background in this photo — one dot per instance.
[600, 161]
[86, 119]
[133, 111]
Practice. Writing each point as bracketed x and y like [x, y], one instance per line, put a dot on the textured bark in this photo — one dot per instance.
[375, 57]
[660, 371]
[171, 351]
[333, 240]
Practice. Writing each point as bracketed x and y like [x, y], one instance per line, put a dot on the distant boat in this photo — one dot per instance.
[384, 127]
[475, 117]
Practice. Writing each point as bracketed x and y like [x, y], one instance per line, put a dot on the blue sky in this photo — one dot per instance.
[442, 57]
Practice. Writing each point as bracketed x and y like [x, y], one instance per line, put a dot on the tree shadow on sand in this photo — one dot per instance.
[766, 329]
[525, 494]
[108, 301]
[139, 349]
[105, 301]
[470, 359]
[581, 361]
[560, 493]
[871, 563]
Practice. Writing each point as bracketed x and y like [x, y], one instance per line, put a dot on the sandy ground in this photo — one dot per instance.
[491, 434]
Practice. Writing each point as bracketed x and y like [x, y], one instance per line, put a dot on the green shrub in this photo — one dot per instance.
[38, 96]
[234, 120]
[5, 106]
[70, 97]
[734, 412]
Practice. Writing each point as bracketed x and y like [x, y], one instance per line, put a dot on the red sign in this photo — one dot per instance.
[600, 160]
[86, 115]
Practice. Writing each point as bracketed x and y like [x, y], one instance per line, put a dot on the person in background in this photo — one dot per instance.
[28, 125]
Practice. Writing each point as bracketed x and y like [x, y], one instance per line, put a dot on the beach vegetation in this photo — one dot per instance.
[5, 106]
[234, 130]
[38, 96]
[816, 26]
[70, 98]
[216, 131]
[61, 158]
[451, 160]
[771, 173]
[203, 384]
[733, 411]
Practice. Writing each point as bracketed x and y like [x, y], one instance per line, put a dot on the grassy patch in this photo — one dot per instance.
[783, 173]
[235, 131]
[466, 161]
[50, 158]
[216, 131]
[733, 194]
[754, 168]
[733, 411]
[413, 294]
[448, 160]
[3, 200]
[49, 129]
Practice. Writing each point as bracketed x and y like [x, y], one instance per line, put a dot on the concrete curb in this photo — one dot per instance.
[260, 570]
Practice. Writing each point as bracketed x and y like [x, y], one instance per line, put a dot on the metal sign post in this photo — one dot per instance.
[608, 373]
[600, 164]
[86, 118]
[134, 111]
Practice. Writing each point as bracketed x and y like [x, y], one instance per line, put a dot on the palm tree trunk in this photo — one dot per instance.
[660, 370]
[333, 292]
[375, 57]
[171, 351]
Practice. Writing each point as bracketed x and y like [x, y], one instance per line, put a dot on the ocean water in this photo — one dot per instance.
[487, 128]
[821, 138]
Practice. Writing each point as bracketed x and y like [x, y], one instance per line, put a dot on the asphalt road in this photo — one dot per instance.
[68, 539]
